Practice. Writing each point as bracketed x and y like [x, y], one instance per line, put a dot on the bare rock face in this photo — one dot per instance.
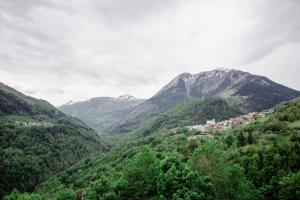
[253, 92]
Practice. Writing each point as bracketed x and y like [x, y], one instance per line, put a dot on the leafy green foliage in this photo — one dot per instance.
[15, 195]
[178, 182]
[37, 141]
[141, 175]
[290, 186]
[257, 161]
[29, 154]
[65, 194]
[191, 112]
[101, 189]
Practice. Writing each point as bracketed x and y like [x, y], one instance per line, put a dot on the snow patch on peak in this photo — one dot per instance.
[125, 97]
[184, 76]
[187, 77]
[218, 72]
[223, 69]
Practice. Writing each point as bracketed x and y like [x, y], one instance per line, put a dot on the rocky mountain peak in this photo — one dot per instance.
[252, 92]
[184, 75]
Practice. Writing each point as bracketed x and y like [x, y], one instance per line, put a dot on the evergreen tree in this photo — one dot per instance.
[250, 138]
[241, 139]
[141, 175]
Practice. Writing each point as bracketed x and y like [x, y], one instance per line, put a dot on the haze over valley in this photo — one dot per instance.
[149, 100]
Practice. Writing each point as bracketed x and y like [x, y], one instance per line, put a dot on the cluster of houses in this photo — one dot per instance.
[34, 123]
[212, 125]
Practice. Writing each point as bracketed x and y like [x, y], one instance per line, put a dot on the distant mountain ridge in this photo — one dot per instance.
[251, 92]
[102, 112]
[14, 102]
[38, 140]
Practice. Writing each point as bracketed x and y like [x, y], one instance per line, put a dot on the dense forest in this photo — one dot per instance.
[257, 161]
[215, 111]
[29, 154]
[192, 112]
[38, 141]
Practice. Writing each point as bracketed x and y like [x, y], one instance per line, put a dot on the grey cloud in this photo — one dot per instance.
[80, 48]
[21, 9]
[278, 25]
[55, 91]
[117, 12]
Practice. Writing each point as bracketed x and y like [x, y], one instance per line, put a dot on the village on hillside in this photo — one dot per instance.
[212, 125]
[34, 123]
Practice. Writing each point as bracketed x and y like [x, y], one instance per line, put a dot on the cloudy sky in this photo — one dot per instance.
[77, 49]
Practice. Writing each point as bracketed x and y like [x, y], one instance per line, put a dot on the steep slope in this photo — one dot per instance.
[102, 112]
[191, 112]
[38, 140]
[251, 92]
[257, 161]
[14, 102]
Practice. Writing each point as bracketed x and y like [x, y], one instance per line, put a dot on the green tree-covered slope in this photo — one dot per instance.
[192, 112]
[257, 161]
[37, 141]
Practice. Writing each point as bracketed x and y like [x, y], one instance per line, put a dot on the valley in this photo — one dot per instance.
[149, 100]
[102, 112]
[239, 163]
[220, 134]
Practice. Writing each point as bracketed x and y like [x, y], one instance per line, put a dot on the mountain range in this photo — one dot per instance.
[240, 89]
[54, 155]
[102, 112]
[249, 92]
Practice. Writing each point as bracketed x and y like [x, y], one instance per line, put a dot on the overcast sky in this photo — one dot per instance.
[61, 50]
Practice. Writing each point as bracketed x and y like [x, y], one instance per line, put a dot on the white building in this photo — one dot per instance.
[210, 122]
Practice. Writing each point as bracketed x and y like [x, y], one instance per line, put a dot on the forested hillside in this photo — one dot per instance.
[38, 141]
[258, 161]
[14, 102]
[192, 112]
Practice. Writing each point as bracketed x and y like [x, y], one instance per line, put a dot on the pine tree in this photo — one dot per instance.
[250, 138]
[241, 139]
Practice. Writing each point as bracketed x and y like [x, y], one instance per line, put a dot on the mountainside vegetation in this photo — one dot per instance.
[257, 161]
[38, 141]
[192, 112]
[250, 92]
[102, 112]
[14, 102]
